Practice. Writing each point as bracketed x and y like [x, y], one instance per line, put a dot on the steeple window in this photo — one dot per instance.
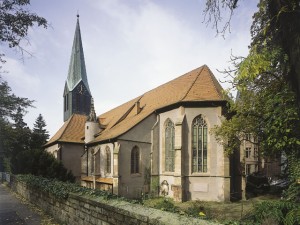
[66, 102]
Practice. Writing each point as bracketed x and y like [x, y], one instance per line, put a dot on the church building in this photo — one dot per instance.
[159, 143]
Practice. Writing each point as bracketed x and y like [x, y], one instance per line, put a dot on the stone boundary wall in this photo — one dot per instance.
[86, 210]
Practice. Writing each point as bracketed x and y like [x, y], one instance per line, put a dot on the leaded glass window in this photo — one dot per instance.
[135, 159]
[199, 145]
[169, 146]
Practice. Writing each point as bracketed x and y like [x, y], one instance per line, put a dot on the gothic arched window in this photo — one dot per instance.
[199, 145]
[135, 160]
[108, 160]
[169, 146]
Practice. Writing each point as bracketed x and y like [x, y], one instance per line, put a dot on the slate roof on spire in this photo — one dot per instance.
[77, 70]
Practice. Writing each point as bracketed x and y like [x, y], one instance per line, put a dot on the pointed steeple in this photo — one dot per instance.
[77, 70]
[77, 94]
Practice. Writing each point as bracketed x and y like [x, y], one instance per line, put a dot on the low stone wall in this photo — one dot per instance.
[86, 210]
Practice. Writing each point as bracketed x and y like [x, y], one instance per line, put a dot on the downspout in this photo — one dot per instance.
[87, 160]
[151, 153]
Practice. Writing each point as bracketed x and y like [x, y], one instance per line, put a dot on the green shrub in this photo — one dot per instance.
[166, 204]
[292, 193]
[280, 212]
[41, 163]
[199, 209]
[58, 188]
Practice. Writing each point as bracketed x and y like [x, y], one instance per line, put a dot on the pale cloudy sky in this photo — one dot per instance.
[130, 47]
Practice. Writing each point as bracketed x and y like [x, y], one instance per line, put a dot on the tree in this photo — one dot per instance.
[42, 163]
[20, 140]
[11, 108]
[276, 25]
[15, 20]
[268, 82]
[39, 134]
[9, 102]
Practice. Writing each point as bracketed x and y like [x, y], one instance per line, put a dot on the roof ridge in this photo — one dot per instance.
[193, 83]
[68, 122]
[127, 112]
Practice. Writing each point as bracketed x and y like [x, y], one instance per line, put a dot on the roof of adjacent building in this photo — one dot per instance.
[72, 131]
[77, 70]
[196, 86]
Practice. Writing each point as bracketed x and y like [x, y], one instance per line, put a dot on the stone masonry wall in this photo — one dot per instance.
[84, 210]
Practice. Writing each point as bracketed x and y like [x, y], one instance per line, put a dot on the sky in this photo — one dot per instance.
[130, 47]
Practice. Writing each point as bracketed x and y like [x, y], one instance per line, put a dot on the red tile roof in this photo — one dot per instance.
[198, 85]
[72, 131]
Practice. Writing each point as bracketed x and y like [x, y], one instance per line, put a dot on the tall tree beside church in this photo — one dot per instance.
[276, 25]
[21, 139]
[10, 105]
[15, 20]
[39, 134]
[268, 81]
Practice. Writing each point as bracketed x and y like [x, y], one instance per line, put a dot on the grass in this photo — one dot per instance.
[222, 212]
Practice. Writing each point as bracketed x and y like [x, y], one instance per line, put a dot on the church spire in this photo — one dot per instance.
[77, 94]
[77, 70]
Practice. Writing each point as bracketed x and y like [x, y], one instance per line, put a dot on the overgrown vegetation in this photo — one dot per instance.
[267, 81]
[41, 163]
[21, 149]
[255, 211]
[277, 212]
[268, 101]
[60, 189]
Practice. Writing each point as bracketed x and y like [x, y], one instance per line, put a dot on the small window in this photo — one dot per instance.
[67, 102]
[248, 137]
[135, 159]
[108, 160]
[247, 152]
